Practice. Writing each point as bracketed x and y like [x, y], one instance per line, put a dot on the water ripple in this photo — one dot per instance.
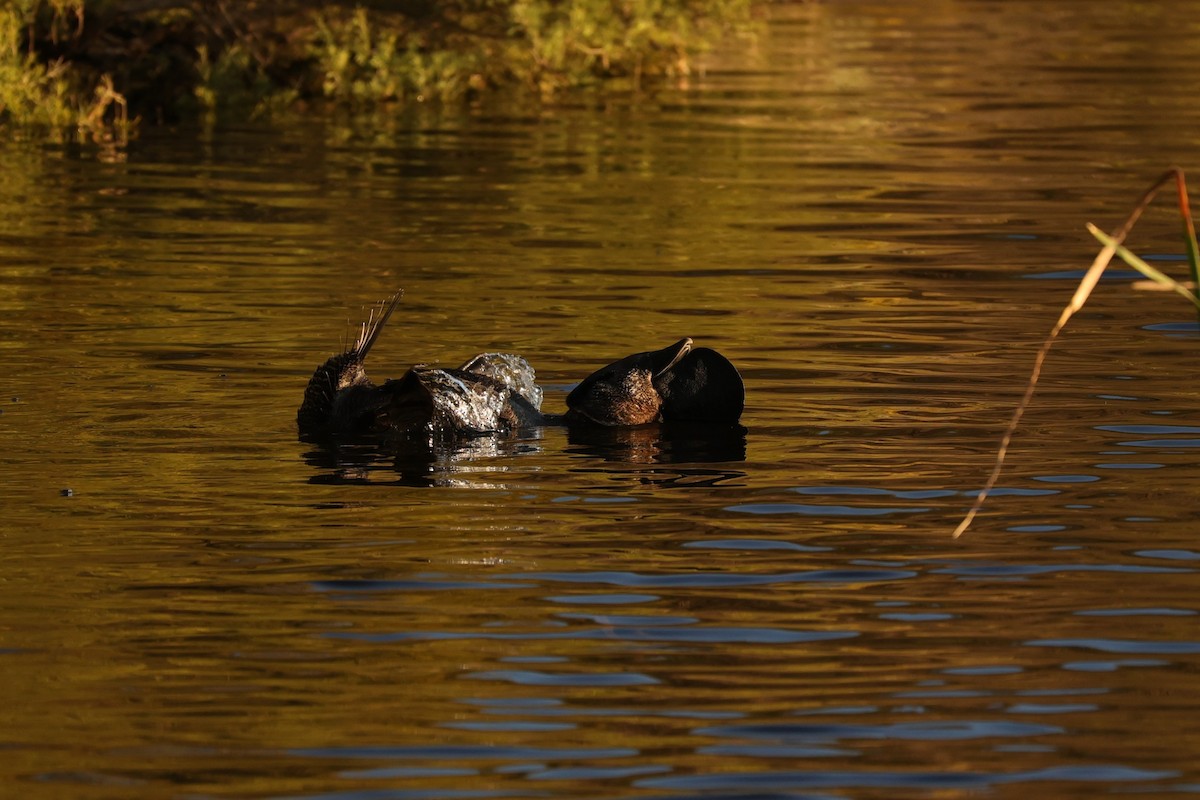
[906, 731]
[1113, 666]
[1009, 570]
[454, 752]
[523, 677]
[755, 544]
[1122, 646]
[1136, 612]
[821, 510]
[722, 579]
[871, 491]
[405, 794]
[349, 585]
[1169, 443]
[626, 579]
[1149, 429]
[1173, 555]
[793, 779]
[696, 633]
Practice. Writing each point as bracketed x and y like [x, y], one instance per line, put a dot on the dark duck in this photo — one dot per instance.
[490, 393]
[680, 383]
[497, 393]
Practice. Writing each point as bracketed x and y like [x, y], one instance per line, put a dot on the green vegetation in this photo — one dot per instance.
[47, 93]
[78, 65]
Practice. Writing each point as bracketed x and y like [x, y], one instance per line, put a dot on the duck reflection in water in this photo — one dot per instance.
[695, 393]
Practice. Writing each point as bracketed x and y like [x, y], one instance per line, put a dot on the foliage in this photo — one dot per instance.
[234, 79]
[361, 62]
[50, 95]
[72, 63]
[574, 43]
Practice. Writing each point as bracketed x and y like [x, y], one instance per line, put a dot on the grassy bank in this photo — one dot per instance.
[94, 67]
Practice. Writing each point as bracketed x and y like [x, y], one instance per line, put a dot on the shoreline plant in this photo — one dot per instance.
[94, 67]
[46, 93]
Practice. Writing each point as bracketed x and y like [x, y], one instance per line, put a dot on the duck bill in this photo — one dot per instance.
[663, 360]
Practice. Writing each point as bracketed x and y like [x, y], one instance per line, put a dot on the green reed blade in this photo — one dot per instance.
[1144, 268]
[1189, 236]
[1189, 227]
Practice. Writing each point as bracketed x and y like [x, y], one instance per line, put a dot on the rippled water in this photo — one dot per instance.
[876, 210]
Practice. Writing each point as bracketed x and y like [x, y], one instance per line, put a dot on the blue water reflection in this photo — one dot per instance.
[791, 780]
[833, 733]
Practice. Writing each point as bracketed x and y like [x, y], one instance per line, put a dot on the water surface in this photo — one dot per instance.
[875, 210]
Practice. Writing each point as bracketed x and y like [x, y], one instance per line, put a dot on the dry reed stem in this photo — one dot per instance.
[1082, 293]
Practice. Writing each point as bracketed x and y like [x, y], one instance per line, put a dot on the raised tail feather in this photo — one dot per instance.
[341, 370]
[373, 325]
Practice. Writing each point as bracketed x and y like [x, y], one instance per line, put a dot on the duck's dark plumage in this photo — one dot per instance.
[328, 395]
[490, 393]
[679, 383]
[496, 392]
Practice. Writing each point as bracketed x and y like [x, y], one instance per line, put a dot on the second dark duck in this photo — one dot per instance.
[496, 393]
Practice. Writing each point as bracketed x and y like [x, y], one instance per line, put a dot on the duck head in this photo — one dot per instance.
[680, 383]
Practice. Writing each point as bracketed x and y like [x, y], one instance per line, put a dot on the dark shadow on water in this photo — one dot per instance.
[669, 456]
[346, 464]
[427, 463]
[408, 462]
[669, 443]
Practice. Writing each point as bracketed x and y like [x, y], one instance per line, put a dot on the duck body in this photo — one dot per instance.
[496, 393]
[680, 383]
[490, 393]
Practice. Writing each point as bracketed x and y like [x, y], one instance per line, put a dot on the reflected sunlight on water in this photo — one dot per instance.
[875, 211]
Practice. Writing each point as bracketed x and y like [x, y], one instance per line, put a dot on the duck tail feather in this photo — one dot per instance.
[374, 324]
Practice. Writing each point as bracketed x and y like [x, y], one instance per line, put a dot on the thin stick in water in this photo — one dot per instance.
[1082, 293]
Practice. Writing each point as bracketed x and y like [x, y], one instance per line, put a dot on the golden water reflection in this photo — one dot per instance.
[875, 212]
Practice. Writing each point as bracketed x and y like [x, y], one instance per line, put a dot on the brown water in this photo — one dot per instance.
[876, 212]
